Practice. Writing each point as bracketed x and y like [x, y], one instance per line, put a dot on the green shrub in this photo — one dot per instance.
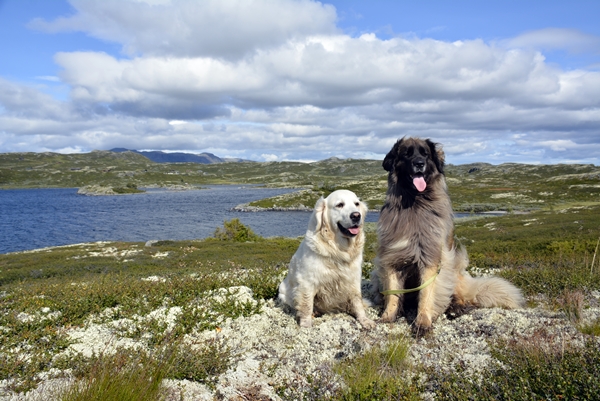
[200, 362]
[570, 247]
[592, 329]
[128, 189]
[531, 369]
[234, 230]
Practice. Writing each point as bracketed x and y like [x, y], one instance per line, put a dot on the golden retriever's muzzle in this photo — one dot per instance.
[353, 230]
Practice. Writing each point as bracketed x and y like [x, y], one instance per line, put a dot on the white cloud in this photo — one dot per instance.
[277, 80]
[559, 145]
[190, 28]
[50, 78]
[571, 40]
[269, 157]
[327, 72]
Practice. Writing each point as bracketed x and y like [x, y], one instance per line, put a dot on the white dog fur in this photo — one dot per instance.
[325, 272]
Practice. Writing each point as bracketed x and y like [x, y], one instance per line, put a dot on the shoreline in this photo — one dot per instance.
[246, 208]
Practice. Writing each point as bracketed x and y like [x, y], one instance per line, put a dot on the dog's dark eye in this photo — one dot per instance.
[424, 151]
[409, 152]
[355, 203]
[340, 205]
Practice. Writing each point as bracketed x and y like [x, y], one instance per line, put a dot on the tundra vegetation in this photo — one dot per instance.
[158, 300]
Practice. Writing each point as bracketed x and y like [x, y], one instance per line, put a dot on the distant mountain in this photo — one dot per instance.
[178, 157]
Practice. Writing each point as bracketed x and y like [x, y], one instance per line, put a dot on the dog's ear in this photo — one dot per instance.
[316, 219]
[390, 158]
[364, 209]
[437, 155]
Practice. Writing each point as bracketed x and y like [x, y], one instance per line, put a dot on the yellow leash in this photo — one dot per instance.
[419, 288]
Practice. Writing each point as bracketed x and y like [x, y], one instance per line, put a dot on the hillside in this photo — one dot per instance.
[473, 187]
[175, 157]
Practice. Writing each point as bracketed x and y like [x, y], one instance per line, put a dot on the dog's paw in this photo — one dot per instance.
[420, 331]
[422, 325]
[456, 310]
[305, 322]
[387, 317]
[367, 323]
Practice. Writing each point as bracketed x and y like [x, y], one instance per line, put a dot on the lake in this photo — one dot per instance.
[38, 218]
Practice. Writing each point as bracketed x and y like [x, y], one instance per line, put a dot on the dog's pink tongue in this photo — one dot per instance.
[354, 230]
[419, 183]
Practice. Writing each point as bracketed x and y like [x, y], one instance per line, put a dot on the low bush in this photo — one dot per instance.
[234, 230]
[531, 369]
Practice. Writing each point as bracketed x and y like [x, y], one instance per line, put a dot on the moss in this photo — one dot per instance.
[78, 282]
[527, 370]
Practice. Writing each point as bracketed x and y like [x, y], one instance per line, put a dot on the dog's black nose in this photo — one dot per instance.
[419, 162]
[355, 216]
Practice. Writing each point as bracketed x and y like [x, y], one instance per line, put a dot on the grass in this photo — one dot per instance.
[136, 375]
[551, 253]
[121, 376]
[543, 252]
[47, 291]
[43, 292]
[528, 369]
[379, 374]
[592, 329]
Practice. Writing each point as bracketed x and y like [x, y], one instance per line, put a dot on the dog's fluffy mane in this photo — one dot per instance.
[431, 211]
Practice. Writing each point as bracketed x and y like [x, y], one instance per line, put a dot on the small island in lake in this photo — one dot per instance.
[100, 190]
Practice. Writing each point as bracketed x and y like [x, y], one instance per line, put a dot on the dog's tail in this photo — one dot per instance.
[487, 292]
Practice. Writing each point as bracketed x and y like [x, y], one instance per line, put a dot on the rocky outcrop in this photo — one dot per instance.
[275, 359]
[99, 190]
[275, 355]
[247, 208]
[96, 190]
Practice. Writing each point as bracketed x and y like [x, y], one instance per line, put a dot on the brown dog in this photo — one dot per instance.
[416, 242]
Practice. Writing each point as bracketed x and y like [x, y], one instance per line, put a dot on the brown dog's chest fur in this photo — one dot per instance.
[416, 227]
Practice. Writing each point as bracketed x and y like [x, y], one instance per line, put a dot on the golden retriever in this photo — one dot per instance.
[325, 272]
[416, 248]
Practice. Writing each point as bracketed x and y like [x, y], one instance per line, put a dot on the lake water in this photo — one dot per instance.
[38, 218]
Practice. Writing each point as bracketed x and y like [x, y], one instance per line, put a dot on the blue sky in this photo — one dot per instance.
[493, 81]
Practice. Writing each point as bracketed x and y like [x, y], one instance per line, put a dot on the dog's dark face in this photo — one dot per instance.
[415, 162]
